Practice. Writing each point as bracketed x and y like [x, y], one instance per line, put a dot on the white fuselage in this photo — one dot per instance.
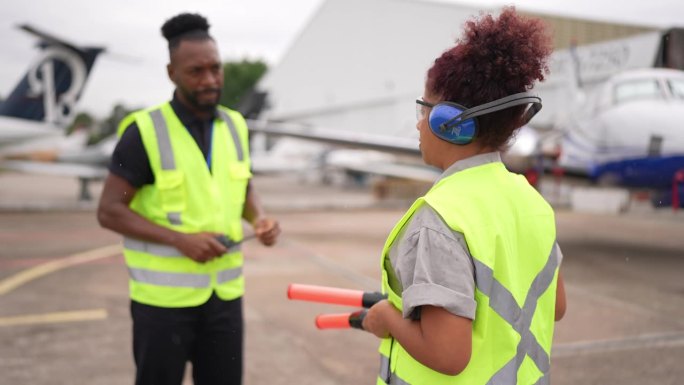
[633, 115]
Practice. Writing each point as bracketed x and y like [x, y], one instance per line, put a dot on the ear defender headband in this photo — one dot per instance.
[456, 124]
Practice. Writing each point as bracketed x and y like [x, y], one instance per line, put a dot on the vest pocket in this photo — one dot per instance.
[239, 175]
[172, 191]
[240, 171]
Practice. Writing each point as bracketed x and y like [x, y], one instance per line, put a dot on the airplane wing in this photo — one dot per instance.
[420, 173]
[520, 156]
[395, 145]
[56, 169]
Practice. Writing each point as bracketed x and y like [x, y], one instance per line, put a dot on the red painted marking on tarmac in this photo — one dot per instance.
[69, 234]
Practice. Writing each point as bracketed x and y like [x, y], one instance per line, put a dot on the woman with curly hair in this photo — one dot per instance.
[472, 269]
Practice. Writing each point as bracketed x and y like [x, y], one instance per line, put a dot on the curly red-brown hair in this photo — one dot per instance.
[496, 57]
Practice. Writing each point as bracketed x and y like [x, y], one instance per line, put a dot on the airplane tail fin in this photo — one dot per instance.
[671, 51]
[53, 83]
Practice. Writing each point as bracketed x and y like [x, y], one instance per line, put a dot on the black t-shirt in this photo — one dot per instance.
[129, 159]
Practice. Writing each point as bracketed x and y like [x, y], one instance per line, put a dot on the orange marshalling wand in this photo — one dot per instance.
[333, 295]
[336, 296]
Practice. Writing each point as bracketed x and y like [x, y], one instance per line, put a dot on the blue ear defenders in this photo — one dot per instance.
[457, 124]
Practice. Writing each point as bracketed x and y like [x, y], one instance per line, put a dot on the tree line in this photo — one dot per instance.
[240, 77]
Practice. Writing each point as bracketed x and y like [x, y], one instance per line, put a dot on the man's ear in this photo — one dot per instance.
[170, 70]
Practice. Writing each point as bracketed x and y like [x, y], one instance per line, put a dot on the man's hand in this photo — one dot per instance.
[375, 320]
[267, 231]
[200, 247]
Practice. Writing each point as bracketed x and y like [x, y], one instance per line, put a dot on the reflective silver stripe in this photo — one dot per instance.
[156, 249]
[170, 279]
[544, 380]
[174, 218]
[384, 368]
[228, 275]
[386, 376]
[233, 133]
[161, 250]
[501, 301]
[165, 153]
[395, 380]
[163, 140]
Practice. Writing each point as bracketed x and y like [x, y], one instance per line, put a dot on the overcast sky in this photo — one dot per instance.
[133, 72]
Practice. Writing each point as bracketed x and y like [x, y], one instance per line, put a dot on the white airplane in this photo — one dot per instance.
[624, 127]
[34, 115]
[634, 114]
[629, 132]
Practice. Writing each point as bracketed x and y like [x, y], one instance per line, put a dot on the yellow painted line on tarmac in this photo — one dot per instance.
[64, 316]
[21, 278]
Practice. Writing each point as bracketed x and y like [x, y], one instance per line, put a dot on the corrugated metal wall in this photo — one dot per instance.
[565, 30]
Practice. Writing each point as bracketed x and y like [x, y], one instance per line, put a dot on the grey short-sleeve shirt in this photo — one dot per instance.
[432, 266]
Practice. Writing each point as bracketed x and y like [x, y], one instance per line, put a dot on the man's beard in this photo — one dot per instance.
[192, 98]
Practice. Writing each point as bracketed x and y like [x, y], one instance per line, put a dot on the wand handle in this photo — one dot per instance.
[341, 321]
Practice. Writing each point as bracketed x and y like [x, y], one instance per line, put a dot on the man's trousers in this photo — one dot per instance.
[210, 336]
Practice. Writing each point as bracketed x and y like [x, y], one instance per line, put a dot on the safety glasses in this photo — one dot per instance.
[422, 108]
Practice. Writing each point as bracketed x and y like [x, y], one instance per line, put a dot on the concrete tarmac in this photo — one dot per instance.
[64, 309]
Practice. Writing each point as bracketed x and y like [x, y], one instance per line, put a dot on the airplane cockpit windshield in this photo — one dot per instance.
[647, 89]
[637, 90]
[676, 88]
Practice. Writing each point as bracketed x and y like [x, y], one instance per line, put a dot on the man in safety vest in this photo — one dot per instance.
[472, 269]
[178, 191]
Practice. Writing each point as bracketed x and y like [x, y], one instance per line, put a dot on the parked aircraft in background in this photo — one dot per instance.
[34, 116]
[635, 114]
[607, 112]
[624, 127]
[44, 101]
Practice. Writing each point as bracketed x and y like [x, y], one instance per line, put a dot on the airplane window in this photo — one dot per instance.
[637, 89]
[677, 88]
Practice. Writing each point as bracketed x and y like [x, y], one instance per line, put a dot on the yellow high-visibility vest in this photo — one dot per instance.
[187, 197]
[510, 233]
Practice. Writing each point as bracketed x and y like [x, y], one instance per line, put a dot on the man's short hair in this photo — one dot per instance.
[189, 26]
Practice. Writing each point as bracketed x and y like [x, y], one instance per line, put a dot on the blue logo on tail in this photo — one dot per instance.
[53, 84]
